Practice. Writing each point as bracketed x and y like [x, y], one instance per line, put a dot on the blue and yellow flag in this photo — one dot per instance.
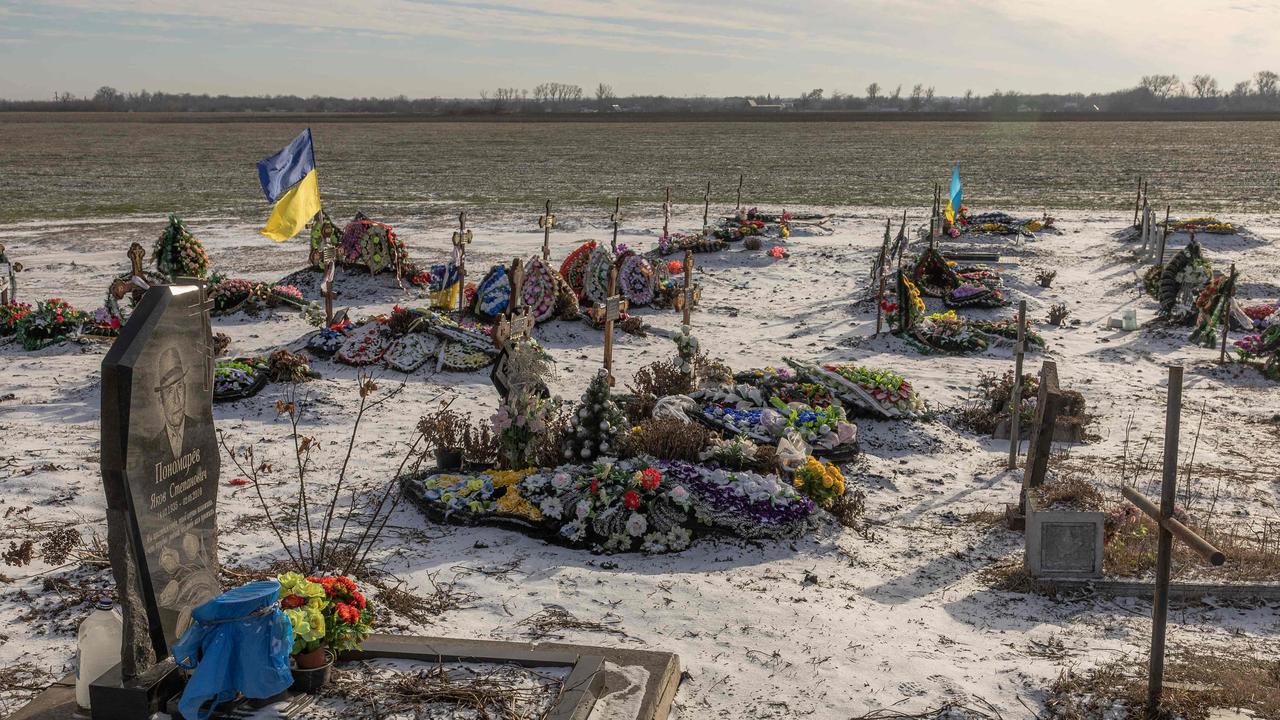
[953, 201]
[289, 180]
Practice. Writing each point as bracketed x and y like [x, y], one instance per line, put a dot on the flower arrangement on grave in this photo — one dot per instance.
[493, 294]
[1262, 315]
[519, 423]
[372, 244]
[327, 612]
[288, 294]
[1210, 225]
[884, 386]
[823, 482]
[695, 242]
[948, 332]
[287, 367]
[734, 453]
[493, 491]
[331, 337]
[538, 292]
[228, 295]
[366, 344]
[1181, 281]
[687, 348]
[1214, 306]
[11, 314]
[974, 294]
[51, 321]
[824, 427]
[462, 357]
[323, 234]
[933, 275]
[595, 426]
[178, 253]
[741, 502]
[235, 379]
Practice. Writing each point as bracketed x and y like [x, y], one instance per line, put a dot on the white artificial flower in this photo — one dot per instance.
[637, 524]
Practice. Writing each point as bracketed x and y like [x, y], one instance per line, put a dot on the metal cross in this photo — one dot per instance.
[613, 305]
[615, 218]
[461, 239]
[546, 222]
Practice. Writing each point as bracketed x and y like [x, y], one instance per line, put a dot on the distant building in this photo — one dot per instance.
[757, 106]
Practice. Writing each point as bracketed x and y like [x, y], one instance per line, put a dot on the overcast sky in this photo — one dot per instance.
[456, 48]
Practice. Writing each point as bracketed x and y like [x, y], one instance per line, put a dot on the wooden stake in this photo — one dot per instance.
[1164, 546]
[329, 256]
[612, 311]
[546, 222]
[1164, 234]
[1137, 202]
[1226, 318]
[740, 179]
[706, 206]
[1015, 403]
[617, 208]
[688, 287]
[666, 214]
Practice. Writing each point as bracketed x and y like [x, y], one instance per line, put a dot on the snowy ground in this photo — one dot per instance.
[826, 627]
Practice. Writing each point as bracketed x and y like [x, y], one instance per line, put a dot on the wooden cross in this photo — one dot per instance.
[546, 222]
[740, 179]
[8, 289]
[1169, 529]
[689, 289]
[879, 270]
[1137, 202]
[329, 256]
[136, 253]
[1225, 315]
[706, 205]
[1015, 402]
[666, 215]
[1164, 235]
[614, 218]
[461, 239]
[612, 311]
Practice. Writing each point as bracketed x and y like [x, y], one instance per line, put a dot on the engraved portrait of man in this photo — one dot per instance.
[180, 432]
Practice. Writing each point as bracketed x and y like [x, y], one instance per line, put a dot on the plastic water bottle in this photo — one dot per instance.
[99, 647]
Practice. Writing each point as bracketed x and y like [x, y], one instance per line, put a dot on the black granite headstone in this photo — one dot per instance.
[160, 470]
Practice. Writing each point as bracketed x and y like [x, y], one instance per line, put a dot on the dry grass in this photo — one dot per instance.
[1200, 683]
[505, 693]
[422, 609]
[1253, 555]
[655, 380]
[1069, 490]
[665, 439]
[552, 620]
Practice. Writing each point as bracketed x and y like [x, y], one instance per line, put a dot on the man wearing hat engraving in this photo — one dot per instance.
[179, 435]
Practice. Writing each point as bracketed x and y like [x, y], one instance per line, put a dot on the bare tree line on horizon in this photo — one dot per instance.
[1153, 93]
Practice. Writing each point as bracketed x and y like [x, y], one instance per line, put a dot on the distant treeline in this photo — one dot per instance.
[1153, 94]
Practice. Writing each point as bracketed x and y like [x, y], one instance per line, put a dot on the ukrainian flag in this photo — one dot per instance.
[289, 180]
[954, 195]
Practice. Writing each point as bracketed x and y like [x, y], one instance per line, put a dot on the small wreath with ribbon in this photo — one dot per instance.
[493, 293]
[595, 283]
[539, 290]
[636, 277]
[574, 267]
[365, 346]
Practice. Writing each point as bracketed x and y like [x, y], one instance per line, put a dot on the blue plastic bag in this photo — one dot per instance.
[238, 643]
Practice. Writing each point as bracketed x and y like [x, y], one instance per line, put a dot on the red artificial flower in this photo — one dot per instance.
[595, 485]
[358, 599]
[237, 482]
[347, 613]
[675, 267]
[631, 499]
[289, 602]
[649, 479]
[777, 253]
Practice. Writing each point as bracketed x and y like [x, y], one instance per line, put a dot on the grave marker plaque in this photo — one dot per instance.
[160, 469]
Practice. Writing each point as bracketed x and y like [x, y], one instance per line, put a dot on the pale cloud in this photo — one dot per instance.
[714, 47]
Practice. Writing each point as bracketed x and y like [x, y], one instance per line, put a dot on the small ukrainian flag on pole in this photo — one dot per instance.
[289, 180]
[954, 199]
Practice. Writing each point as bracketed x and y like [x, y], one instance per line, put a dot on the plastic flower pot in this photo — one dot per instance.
[448, 459]
[309, 679]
